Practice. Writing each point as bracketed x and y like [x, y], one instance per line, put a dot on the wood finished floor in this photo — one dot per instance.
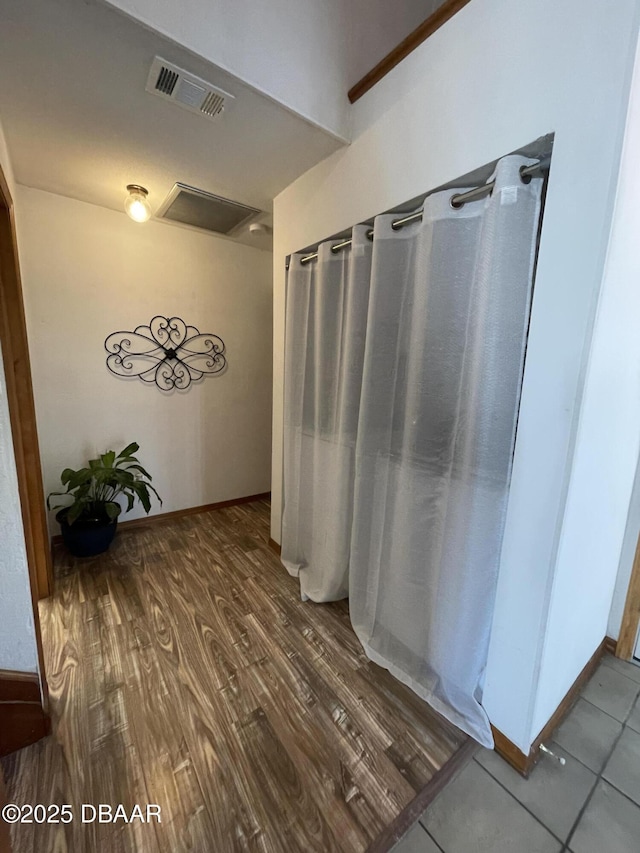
[184, 670]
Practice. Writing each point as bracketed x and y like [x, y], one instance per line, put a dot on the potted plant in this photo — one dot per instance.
[88, 524]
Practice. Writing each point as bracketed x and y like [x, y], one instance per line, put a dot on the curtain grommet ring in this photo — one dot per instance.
[524, 177]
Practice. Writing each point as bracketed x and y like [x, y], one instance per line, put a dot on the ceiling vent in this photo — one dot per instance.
[200, 209]
[177, 85]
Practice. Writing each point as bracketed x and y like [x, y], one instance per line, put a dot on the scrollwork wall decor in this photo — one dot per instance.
[167, 352]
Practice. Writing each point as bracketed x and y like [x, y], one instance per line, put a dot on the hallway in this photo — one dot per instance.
[185, 671]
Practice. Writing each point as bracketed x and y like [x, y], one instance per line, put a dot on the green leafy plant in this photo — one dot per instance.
[94, 490]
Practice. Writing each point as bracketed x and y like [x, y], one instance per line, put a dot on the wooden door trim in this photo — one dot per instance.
[427, 28]
[23, 718]
[17, 686]
[13, 338]
[631, 613]
[17, 371]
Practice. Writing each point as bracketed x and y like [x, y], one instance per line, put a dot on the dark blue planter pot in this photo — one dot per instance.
[86, 538]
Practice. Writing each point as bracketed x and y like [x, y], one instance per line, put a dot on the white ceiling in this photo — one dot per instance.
[79, 123]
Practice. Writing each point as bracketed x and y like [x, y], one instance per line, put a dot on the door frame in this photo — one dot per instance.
[631, 614]
[17, 371]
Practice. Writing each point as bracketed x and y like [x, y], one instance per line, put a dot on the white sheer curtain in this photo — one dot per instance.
[418, 516]
[325, 338]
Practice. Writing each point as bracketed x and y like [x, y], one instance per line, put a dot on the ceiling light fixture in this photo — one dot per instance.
[136, 203]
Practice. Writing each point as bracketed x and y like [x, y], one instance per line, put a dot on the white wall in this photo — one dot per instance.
[614, 375]
[17, 632]
[87, 272]
[450, 107]
[607, 446]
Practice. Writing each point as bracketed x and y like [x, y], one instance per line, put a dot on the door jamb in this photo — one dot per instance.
[17, 370]
[631, 613]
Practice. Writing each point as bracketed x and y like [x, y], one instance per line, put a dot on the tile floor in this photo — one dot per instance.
[591, 805]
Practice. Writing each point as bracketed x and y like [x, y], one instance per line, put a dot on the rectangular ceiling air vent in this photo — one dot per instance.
[185, 89]
[201, 209]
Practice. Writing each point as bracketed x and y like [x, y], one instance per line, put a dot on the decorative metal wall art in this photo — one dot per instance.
[167, 352]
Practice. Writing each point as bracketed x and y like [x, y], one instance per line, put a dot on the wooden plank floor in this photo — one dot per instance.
[185, 671]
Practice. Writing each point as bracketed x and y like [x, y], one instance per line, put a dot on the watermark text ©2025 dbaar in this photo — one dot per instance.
[85, 813]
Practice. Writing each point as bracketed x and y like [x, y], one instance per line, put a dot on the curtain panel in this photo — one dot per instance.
[403, 370]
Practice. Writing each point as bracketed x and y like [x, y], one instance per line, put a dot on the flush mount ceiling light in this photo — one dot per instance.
[136, 203]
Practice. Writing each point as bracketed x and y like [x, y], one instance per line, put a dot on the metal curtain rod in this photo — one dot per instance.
[456, 201]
